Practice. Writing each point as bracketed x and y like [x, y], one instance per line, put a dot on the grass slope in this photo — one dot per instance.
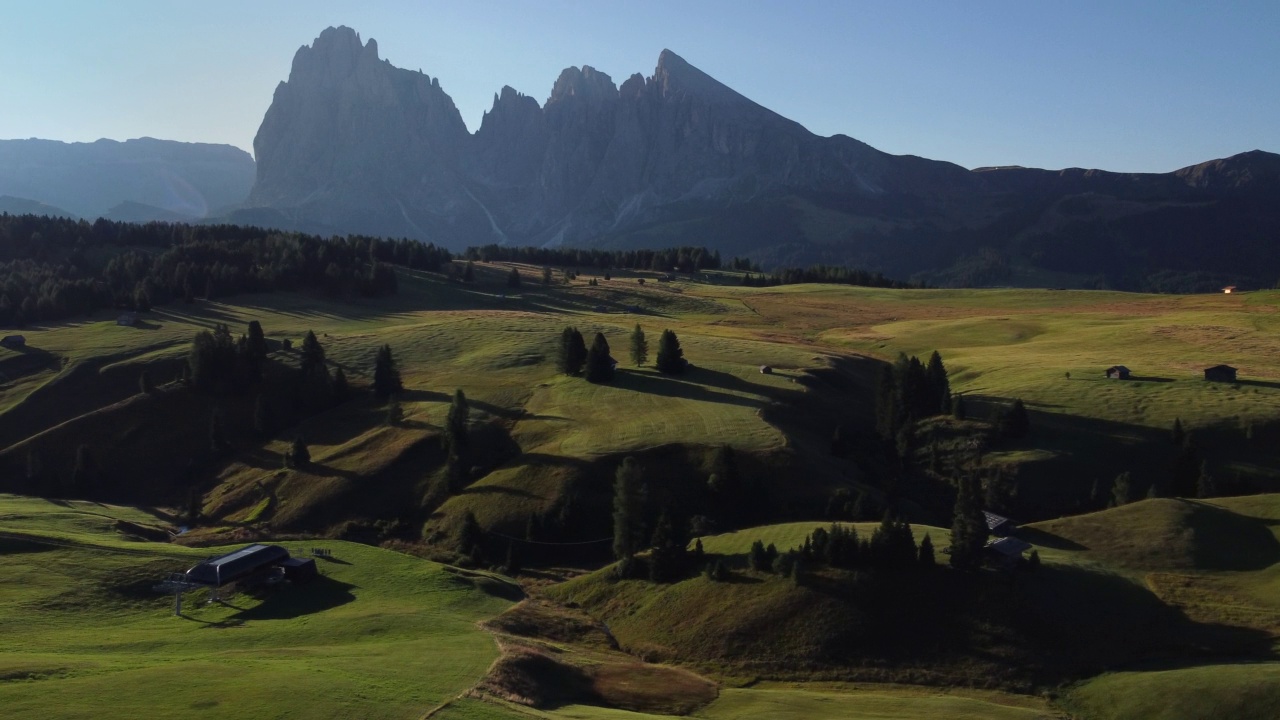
[85, 635]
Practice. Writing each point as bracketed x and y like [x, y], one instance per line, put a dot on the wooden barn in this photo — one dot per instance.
[1220, 373]
[1118, 372]
[998, 525]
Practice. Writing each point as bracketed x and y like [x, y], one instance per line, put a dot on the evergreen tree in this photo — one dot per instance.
[1178, 435]
[470, 534]
[670, 357]
[639, 347]
[958, 410]
[145, 386]
[315, 384]
[256, 344]
[1206, 485]
[1033, 560]
[455, 426]
[546, 275]
[264, 420]
[628, 509]
[888, 413]
[386, 377]
[513, 278]
[599, 366]
[298, 455]
[455, 473]
[939, 385]
[572, 353]
[469, 272]
[667, 560]
[341, 390]
[925, 557]
[1186, 470]
[758, 559]
[1015, 423]
[969, 527]
[1122, 490]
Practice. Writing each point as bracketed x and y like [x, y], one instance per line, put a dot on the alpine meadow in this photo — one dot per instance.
[640, 402]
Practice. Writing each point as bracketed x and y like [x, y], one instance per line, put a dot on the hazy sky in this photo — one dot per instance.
[1133, 86]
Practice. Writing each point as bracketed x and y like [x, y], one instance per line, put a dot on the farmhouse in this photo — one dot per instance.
[250, 562]
[128, 319]
[1118, 372]
[766, 370]
[1220, 373]
[999, 525]
[13, 341]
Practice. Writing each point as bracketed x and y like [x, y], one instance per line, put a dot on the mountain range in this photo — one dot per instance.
[353, 144]
[136, 180]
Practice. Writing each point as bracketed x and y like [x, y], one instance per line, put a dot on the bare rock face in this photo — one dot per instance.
[353, 144]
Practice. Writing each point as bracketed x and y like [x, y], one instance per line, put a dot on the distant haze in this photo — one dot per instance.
[1146, 87]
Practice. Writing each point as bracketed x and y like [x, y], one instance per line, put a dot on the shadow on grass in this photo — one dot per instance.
[689, 389]
[1048, 540]
[332, 559]
[499, 490]
[1259, 383]
[291, 601]
[1149, 379]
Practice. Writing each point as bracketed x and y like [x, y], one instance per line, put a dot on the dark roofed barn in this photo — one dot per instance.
[1220, 373]
[239, 565]
[1008, 550]
[299, 570]
[1118, 372]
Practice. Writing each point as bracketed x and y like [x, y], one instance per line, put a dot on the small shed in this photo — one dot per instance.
[300, 570]
[1220, 373]
[128, 319]
[1118, 372]
[766, 370]
[998, 525]
[13, 341]
[1228, 289]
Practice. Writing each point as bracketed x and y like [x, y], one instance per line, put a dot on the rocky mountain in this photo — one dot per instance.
[181, 180]
[354, 144]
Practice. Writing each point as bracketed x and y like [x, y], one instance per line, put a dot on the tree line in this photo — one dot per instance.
[681, 259]
[826, 274]
[55, 268]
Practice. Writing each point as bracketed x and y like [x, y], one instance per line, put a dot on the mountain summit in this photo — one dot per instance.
[354, 144]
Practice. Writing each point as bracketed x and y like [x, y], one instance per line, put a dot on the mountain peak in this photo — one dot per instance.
[674, 74]
[585, 82]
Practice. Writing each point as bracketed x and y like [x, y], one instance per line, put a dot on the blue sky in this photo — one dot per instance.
[1130, 86]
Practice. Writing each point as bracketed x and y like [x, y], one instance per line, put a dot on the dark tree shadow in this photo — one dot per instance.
[1048, 540]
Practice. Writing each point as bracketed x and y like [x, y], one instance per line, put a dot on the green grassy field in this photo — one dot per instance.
[380, 635]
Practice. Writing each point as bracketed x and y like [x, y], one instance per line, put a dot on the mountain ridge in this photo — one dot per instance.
[352, 143]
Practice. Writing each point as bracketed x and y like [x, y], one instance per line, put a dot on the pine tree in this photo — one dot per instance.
[395, 414]
[888, 411]
[628, 507]
[925, 556]
[939, 385]
[470, 534]
[145, 386]
[1206, 485]
[599, 366]
[958, 410]
[513, 278]
[1033, 561]
[469, 272]
[546, 275]
[455, 426]
[315, 383]
[666, 561]
[1178, 435]
[298, 456]
[572, 354]
[386, 377]
[969, 527]
[639, 347]
[1015, 423]
[1186, 470]
[670, 357]
[341, 390]
[256, 343]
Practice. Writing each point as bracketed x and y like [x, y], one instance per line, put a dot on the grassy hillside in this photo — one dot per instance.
[84, 631]
[1248, 691]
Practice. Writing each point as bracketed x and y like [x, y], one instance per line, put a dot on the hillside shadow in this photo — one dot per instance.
[1259, 383]
[292, 601]
[499, 490]
[1047, 539]
[669, 386]
[1149, 379]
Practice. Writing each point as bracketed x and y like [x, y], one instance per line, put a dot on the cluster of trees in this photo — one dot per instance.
[908, 391]
[667, 539]
[825, 274]
[969, 530]
[891, 547]
[683, 259]
[596, 363]
[54, 268]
